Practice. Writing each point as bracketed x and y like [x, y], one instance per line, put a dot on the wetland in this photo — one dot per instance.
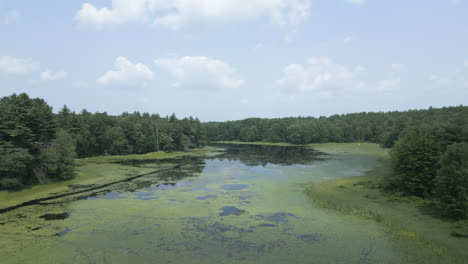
[226, 203]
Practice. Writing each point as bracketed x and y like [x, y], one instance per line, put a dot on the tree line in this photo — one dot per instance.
[429, 148]
[37, 145]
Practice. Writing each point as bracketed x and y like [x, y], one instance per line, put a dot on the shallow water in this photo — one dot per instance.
[245, 206]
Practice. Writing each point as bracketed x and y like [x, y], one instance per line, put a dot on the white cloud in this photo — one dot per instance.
[200, 70]
[348, 39]
[261, 46]
[357, 2]
[439, 80]
[121, 12]
[389, 85]
[399, 68]
[319, 73]
[14, 65]
[48, 75]
[128, 73]
[10, 17]
[177, 13]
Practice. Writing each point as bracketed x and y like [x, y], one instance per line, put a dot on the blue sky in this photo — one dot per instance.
[231, 59]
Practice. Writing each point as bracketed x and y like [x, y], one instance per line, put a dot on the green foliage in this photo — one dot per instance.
[135, 133]
[448, 124]
[451, 183]
[26, 122]
[414, 160]
[31, 149]
[58, 157]
[15, 166]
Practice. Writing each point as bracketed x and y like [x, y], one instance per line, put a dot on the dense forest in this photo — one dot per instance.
[37, 145]
[429, 147]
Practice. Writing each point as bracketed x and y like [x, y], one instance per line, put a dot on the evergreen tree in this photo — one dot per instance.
[451, 183]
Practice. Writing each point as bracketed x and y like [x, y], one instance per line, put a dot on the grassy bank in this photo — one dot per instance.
[96, 171]
[406, 217]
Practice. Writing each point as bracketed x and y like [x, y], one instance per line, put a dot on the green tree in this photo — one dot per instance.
[414, 160]
[58, 157]
[451, 183]
[15, 164]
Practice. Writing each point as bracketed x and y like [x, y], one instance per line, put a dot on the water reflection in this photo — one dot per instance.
[255, 155]
[250, 155]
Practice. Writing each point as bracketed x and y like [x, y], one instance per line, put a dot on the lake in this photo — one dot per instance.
[246, 205]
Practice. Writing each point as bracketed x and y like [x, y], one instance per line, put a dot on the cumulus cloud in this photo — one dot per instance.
[261, 46]
[12, 65]
[439, 80]
[201, 70]
[49, 75]
[348, 39]
[177, 13]
[128, 73]
[10, 17]
[121, 12]
[319, 73]
[399, 68]
[357, 2]
[389, 85]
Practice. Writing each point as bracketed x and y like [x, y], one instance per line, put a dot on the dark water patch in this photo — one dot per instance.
[214, 229]
[244, 202]
[229, 210]
[280, 217]
[205, 239]
[147, 198]
[311, 238]
[36, 228]
[245, 197]
[64, 232]
[61, 216]
[176, 201]
[258, 155]
[365, 256]
[130, 251]
[209, 196]
[267, 225]
[234, 187]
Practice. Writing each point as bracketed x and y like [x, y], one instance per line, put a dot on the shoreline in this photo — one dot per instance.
[406, 217]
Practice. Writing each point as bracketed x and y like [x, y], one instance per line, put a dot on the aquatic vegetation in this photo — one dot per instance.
[212, 209]
[360, 196]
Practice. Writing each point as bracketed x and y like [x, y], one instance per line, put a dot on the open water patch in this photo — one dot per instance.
[61, 216]
[234, 187]
[231, 210]
[209, 196]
